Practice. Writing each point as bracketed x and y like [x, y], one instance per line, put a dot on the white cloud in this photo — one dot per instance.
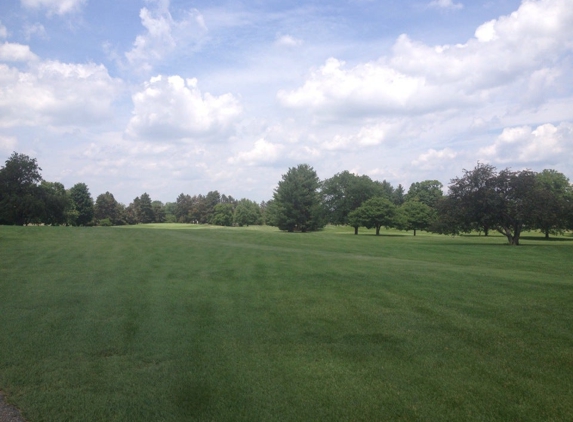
[545, 144]
[417, 78]
[55, 93]
[59, 7]
[174, 108]
[433, 159]
[164, 34]
[445, 4]
[368, 136]
[13, 52]
[263, 152]
[8, 143]
[288, 41]
[3, 31]
[35, 30]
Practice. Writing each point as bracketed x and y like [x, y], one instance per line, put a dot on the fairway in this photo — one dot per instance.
[194, 323]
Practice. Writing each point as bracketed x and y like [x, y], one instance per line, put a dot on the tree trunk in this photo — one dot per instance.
[414, 232]
[377, 230]
[356, 230]
[547, 233]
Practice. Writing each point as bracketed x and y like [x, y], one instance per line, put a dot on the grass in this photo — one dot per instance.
[182, 323]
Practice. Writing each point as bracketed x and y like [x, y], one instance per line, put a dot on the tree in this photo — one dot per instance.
[504, 201]
[106, 207]
[57, 203]
[144, 209]
[553, 197]
[83, 204]
[297, 200]
[415, 215]
[183, 206]
[375, 212]
[158, 211]
[427, 192]
[398, 196]
[344, 192]
[222, 215]
[20, 195]
[247, 213]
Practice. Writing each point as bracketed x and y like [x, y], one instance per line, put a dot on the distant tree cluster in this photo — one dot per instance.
[483, 199]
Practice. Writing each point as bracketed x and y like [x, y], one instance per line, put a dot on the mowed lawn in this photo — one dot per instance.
[187, 323]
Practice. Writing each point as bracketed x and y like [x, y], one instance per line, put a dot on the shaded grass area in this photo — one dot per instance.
[134, 324]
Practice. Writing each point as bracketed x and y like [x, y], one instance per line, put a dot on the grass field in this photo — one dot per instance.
[184, 323]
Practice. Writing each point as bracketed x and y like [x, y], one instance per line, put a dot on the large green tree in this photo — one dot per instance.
[554, 199]
[427, 192]
[504, 200]
[57, 203]
[297, 200]
[107, 208]
[20, 196]
[344, 192]
[222, 215]
[83, 203]
[415, 215]
[247, 213]
[375, 213]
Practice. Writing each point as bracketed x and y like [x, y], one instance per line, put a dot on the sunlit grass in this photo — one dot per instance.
[187, 322]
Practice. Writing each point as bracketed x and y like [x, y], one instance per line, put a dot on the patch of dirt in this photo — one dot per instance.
[9, 413]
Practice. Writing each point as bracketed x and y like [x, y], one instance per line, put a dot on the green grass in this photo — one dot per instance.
[183, 323]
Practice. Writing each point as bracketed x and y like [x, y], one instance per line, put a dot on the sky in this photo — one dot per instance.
[170, 97]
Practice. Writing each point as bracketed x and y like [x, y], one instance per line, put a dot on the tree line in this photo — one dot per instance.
[482, 199]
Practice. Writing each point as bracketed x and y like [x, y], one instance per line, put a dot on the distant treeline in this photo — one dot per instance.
[483, 199]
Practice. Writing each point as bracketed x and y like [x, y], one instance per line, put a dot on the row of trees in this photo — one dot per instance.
[25, 198]
[482, 199]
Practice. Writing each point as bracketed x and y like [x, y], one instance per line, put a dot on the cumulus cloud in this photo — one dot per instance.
[55, 93]
[434, 159]
[174, 108]
[3, 31]
[367, 136]
[288, 41]
[163, 34]
[58, 7]
[263, 153]
[13, 52]
[35, 30]
[545, 144]
[505, 54]
[445, 4]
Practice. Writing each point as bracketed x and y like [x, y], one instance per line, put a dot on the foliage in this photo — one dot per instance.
[297, 201]
[83, 203]
[428, 192]
[373, 213]
[502, 200]
[107, 208]
[20, 195]
[222, 215]
[553, 202]
[247, 213]
[415, 215]
[56, 203]
[344, 192]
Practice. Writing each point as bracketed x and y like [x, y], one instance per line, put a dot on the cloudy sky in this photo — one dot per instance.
[177, 96]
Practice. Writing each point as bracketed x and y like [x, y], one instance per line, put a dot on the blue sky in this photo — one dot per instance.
[166, 97]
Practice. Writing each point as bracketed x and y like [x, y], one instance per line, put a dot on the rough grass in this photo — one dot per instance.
[180, 323]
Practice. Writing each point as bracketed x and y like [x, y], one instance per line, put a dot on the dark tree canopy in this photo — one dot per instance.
[20, 196]
[247, 213]
[296, 200]
[344, 192]
[427, 192]
[554, 202]
[83, 204]
[504, 201]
